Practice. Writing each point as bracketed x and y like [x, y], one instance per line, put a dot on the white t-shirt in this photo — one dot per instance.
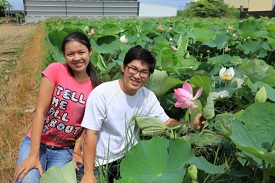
[109, 111]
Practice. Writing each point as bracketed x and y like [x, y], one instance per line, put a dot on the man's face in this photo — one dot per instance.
[135, 76]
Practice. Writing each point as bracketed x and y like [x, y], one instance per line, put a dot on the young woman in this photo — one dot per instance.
[55, 137]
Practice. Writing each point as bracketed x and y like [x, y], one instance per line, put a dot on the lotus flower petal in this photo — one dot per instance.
[174, 48]
[123, 39]
[185, 97]
[227, 74]
[198, 94]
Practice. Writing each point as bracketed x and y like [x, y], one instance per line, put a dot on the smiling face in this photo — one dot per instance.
[77, 56]
[131, 82]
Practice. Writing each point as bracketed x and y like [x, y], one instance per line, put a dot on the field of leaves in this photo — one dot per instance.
[231, 60]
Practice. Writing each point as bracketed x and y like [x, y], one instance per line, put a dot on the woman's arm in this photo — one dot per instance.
[90, 141]
[42, 105]
[77, 154]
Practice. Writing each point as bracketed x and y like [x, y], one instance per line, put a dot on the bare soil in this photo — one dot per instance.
[21, 52]
[12, 41]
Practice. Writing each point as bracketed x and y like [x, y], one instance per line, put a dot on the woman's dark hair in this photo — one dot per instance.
[83, 39]
[142, 54]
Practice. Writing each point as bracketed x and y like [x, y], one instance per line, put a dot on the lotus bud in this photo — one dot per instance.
[261, 95]
[186, 55]
[192, 172]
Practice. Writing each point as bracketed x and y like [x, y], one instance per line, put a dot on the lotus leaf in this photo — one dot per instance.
[65, 174]
[157, 160]
[202, 164]
[256, 134]
[220, 42]
[150, 125]
[203, 139]
[258, 70]
[160, 82]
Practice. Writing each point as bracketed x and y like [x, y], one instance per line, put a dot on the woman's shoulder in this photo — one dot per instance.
[58, 65]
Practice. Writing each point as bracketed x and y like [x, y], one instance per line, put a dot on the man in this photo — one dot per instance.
[110, 133]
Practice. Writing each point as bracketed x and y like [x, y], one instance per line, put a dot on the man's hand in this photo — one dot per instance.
[88, 178]
[198, 121]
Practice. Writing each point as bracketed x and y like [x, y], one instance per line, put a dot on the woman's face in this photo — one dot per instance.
[77, 56]
[135, 75]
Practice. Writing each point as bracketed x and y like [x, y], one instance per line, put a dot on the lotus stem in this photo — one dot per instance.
[265, 173]
[273, 145]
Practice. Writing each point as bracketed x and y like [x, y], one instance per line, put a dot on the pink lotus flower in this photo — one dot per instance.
[92, 32]
[174, 48]
[170, 28]
[160, 27]
[185, 97]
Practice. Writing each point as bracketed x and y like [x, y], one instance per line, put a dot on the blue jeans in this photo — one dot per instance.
[49, 157]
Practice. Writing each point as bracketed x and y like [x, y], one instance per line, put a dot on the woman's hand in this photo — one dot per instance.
[77, 158]
[32, 161]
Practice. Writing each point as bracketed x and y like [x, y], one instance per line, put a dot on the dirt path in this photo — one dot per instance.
[12, 40]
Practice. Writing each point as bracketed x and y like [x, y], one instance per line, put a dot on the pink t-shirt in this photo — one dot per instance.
[62, 122]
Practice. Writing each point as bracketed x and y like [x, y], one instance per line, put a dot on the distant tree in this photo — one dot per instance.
[210, 8]
[4, 4]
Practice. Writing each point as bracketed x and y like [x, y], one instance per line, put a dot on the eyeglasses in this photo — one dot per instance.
[134, 70]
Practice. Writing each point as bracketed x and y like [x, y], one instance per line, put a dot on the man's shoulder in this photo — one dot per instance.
[105, 87]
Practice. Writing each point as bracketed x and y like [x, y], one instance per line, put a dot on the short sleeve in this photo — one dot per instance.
[52, 71]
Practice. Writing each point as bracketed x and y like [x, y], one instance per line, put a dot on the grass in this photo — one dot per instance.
[19, 95]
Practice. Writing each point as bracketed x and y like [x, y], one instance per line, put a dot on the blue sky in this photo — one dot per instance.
[180, 4]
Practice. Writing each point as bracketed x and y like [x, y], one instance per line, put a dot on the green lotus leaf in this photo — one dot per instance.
[159, 82]
[250, 46]
[248, 28]
[202, 34]
[256, 134]
[111, 29]
[157, 160]
[221, 59]
[107, 44]
[65, 174]
[220, 42]
[223, 122]
[258, 70]
[204, 82]
[202, 164]
[203, 139]
[208, 109]
[150, 125]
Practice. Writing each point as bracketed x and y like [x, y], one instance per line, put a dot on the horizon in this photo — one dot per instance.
[180, 4]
